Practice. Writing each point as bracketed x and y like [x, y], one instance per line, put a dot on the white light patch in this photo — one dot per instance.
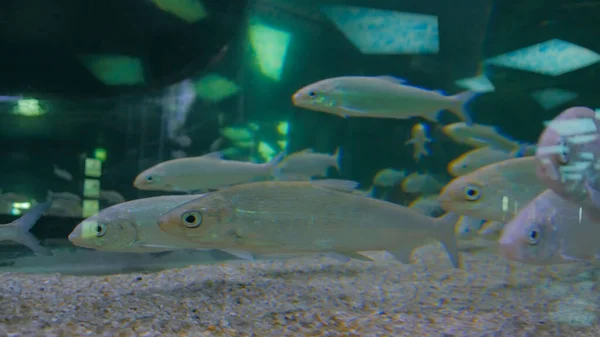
[377, 31]
[580, 214]
[544, 150]
[551, 98]
[572, 176]
[586, 155]
[571, 127]
[576, 167]
[554, 57]
[504, 204]
[583, 139]
[478, 84]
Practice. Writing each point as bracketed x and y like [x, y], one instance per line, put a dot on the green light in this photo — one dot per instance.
[100, 154]
[270, 46]
[18, 207]
[90, 208]
[114, 69]
[28, 107]
[190, 11]
[215, 88]
[266, 151]
[93, 167]
[282, 144]
[283, 128]
[91, 188]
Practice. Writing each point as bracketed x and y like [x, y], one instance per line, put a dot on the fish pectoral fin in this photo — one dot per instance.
[345, 256]
[160, 254]
[392, 79]
[402, 255]
[152, 246]
[572, 258]
[242, 254]
[336, 184]
[351, 111]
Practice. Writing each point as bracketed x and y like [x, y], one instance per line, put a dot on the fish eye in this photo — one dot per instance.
[472, 193]
[100, 230]
[533, 236]
[149, 178]
[563, 155]
[191, 219]
[312, 94]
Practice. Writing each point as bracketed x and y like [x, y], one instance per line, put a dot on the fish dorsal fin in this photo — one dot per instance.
[309, 150]
[336, 184]
[392, 79]
[214, 155]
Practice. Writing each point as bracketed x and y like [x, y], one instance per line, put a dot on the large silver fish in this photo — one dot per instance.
[297, 217]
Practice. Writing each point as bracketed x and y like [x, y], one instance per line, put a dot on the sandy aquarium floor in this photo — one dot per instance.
[309, 296]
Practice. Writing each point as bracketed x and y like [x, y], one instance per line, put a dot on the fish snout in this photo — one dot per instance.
[445, 201]
[508, 249]
[75, 237]
[296, 98]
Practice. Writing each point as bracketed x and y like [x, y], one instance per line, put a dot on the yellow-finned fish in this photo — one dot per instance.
[307, 163]
[210, 171]
[389, 177]
[422, 183]
[493, 192]
[474, 159]
[419, 141]
[298, 217]
[478, 135]
[378, 97]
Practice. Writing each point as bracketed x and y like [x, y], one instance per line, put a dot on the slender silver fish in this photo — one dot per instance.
[296, 217]
[379, 97]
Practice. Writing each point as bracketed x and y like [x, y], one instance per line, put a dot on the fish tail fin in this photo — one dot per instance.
[20, 229]
[273, 165]
[463, 99]
[337, 156]
[445, 228]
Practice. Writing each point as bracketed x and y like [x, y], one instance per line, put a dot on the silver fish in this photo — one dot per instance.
[304, 217]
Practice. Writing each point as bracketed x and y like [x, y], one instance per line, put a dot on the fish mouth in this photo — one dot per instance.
[295, 99]
[507, 249]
